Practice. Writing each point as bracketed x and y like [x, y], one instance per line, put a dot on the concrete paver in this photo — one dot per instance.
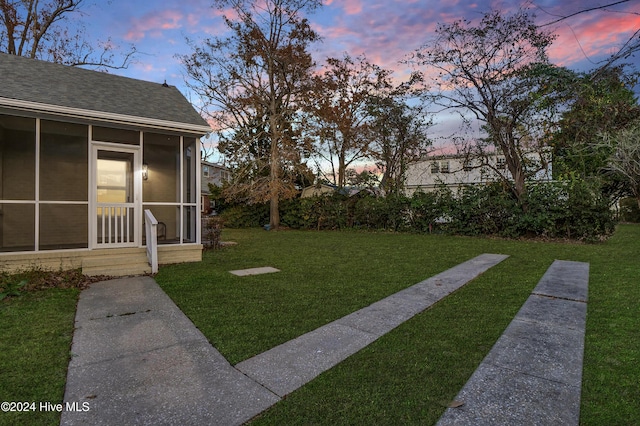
[533, 373]
[254, 271]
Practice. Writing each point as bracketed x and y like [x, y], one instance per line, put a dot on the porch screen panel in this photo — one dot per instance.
[191, 169]
[63, 226]
[17, 158]
[189, 223]
[64, 170]
[168, 218]
[162, 158]
[17, 227]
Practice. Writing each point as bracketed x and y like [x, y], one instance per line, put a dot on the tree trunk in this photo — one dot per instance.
[274, 213]
[274, 177]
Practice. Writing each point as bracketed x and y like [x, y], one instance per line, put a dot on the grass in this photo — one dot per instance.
[35, 340]
[407, 376]
[36, 327]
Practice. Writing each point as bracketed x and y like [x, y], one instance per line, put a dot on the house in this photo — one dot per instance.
[318, 190]
[214, 174]
[456, 171]
[82, 155]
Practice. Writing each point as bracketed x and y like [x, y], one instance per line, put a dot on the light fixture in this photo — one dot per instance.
[145, 172]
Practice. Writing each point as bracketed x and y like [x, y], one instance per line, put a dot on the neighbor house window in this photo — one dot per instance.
[501, 163]
[444, 167]
[435, 167]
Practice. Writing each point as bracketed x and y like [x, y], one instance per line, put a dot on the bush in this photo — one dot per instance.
[212, 232]
[246, 216]
[629, 211]
[571, 209]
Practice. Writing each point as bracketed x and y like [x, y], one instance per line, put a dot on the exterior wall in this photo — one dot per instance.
[214, 174]
[314, 191]
[112, 262]
[454, 172]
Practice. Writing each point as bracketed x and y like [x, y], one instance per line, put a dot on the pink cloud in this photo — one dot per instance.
[153, 24]
[353, 7]
[592, 38]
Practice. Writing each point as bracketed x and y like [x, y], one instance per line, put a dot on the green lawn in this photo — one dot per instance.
[35, 340]
[408, 375]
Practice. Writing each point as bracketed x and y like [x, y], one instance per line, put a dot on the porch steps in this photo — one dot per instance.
[121, 262]
[113, 262]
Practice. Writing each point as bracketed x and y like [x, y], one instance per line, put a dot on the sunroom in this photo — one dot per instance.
[90, 163]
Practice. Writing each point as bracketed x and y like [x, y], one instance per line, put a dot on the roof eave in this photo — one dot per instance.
[104, 116]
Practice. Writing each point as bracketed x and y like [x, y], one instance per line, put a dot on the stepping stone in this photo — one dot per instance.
[254, 271]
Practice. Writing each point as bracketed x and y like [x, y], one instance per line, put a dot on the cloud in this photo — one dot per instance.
[592, 39]
[384, 31]
[154, 24]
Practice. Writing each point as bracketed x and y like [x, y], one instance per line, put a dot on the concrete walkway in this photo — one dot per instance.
[533, 374]
[137, 359]
[286, 367]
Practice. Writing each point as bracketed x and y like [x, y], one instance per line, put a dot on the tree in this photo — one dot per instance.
[624, 161]
[399, 137]
[597, 102]
[340, 111]
[488, 70]
[37, 30]
[251, 83]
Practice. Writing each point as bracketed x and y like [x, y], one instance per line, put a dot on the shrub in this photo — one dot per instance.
[571, 209]
[629, 210]
[246, 215]
[212, 232]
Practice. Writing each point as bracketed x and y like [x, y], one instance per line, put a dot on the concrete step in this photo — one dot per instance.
[120, 263]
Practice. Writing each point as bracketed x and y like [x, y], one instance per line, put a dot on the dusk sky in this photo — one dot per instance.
[385, 30]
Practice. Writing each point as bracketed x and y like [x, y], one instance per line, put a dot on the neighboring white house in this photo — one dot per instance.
[454, 171]
[215, 174]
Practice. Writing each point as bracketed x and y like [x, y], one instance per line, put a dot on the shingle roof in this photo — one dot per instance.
[30, 80]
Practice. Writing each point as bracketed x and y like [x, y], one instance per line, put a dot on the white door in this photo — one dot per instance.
[115, 197]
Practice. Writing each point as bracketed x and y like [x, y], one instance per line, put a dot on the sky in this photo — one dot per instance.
[386, 31]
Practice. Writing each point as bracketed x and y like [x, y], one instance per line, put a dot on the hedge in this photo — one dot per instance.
[550, 210]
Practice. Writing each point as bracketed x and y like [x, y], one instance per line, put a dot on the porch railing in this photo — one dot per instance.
[151, 231]
[115, 224]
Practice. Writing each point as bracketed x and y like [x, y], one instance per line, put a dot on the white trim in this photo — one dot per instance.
[198, 194]
[181, 184]
[104, 116]
[36, 237]
[137, 192]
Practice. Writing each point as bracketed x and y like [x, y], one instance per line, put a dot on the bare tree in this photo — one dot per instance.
[488, 70]
[340, 111]
[251, 83]
[36, 29]
[399, 137]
